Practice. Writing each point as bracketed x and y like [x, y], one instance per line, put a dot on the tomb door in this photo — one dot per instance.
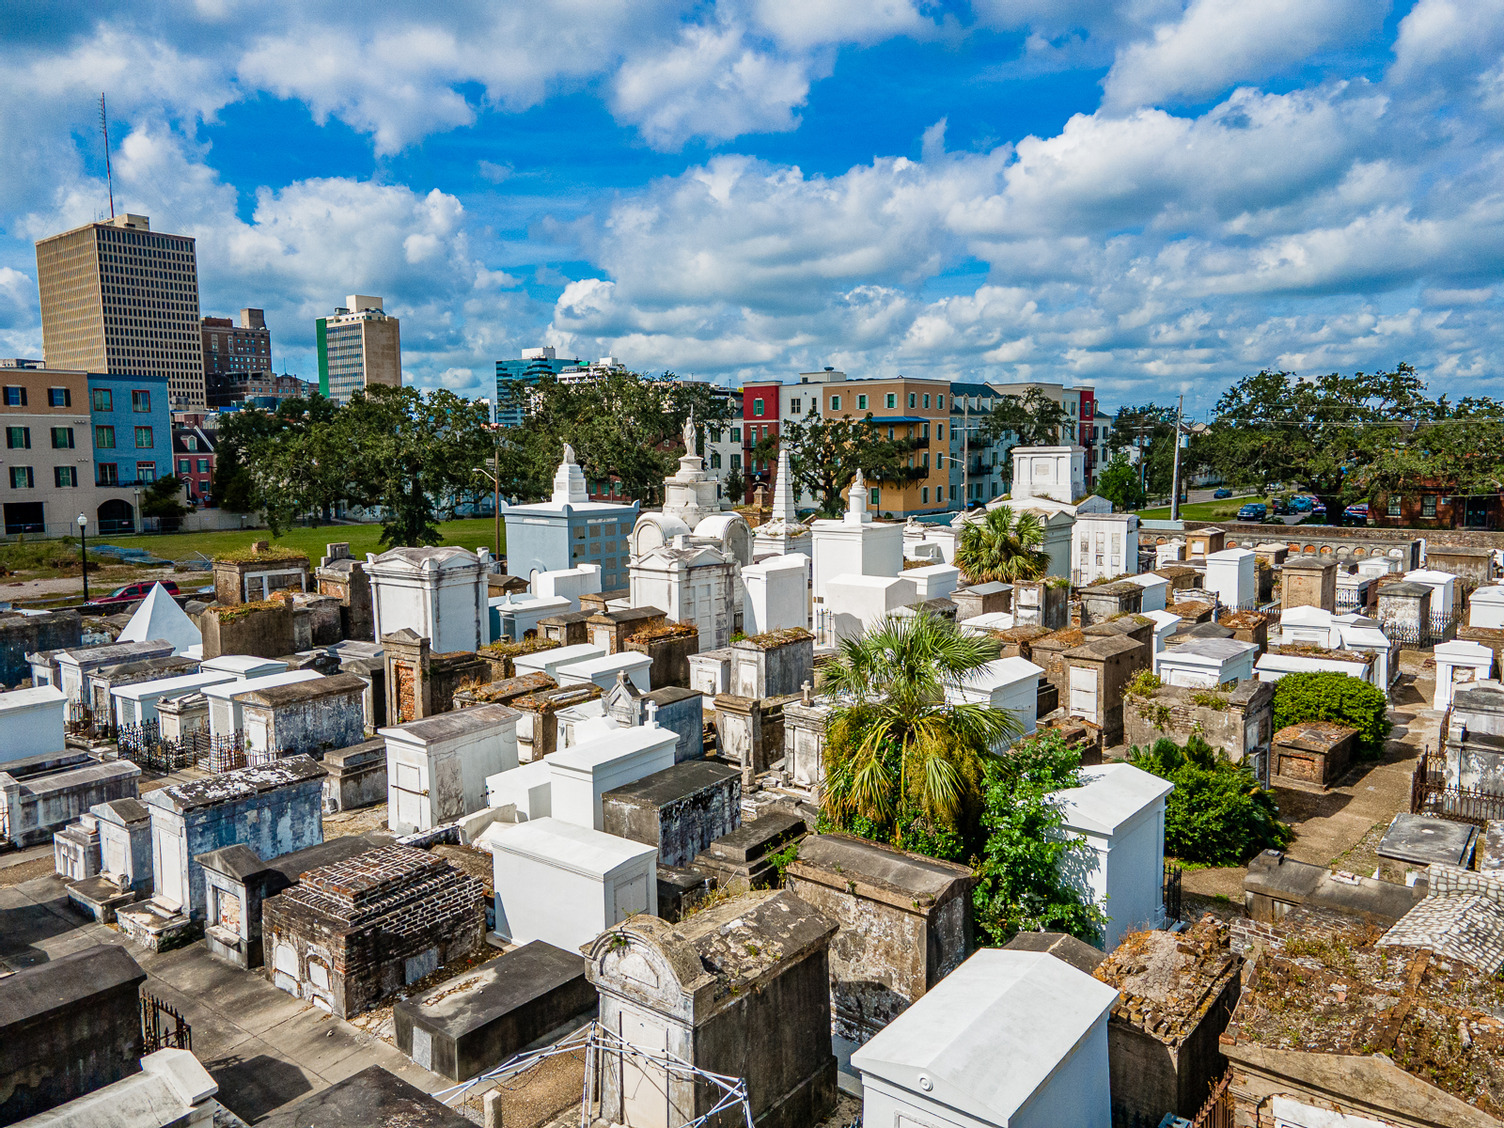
[1084, 692]
[644, 1078]
[408, 787]
[168, 849]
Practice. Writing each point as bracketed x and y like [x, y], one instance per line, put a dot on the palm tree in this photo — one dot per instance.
[1005, 546]
[896, 748]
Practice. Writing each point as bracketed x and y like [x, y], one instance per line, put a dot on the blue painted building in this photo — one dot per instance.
[131, 434]
[569, 530]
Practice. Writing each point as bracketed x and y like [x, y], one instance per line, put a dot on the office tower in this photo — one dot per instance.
[119, 297]
[359, 346]
[234, 348]
[527, 369]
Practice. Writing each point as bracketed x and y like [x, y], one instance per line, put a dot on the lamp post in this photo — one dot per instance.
[83, 555]
[496, 503]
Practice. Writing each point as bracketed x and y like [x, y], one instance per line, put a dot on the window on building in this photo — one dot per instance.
[715, 460]
[143, 438]
[140, 400]
[926, 460]
[62, 438]
[940, 431]
[18, 438]
[911, 399]
[874, 495]
[104, 438]
[102, 399]
[861, 403]
[59, 397]
[757, 407]
[940, 402]
[736, 434]
[190, 442]
[109, 475]
[736, 462]
[65, 477]
[953, 493]
[926, 401]
[185, 466]
[1394, 505]
[21, 478]
[796, 405]
[924, 432]
[891, 400]
[835, 403]
[146, 472]
[1428, 505]
[924, 495]
[203, 465]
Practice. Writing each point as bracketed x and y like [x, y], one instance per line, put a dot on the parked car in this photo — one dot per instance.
[134, 593]
[1280, 506]
[1221, 492]
[1253, 511]
[1356, 514]
[1301, 504]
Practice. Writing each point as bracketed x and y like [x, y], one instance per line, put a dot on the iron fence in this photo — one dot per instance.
[163, 1027]
[81, 722]
[1438, 628]
[1171, 892]
[144, 745]
[1217, 1111]
[226, 753]
[1430, 795]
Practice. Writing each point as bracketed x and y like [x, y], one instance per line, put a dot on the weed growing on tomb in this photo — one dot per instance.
[1329, 696]
[1025, 876]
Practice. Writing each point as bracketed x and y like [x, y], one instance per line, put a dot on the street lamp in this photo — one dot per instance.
[496, 503]
[83, 555]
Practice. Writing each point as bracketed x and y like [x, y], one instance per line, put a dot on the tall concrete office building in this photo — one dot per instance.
[359, 346]
[119, 297]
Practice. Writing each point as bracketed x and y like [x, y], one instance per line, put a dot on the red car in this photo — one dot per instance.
[134, 593]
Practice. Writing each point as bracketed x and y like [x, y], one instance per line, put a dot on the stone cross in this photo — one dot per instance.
[804, 689]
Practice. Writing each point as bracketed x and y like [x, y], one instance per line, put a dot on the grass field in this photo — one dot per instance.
[59, 557]
[1224, 510]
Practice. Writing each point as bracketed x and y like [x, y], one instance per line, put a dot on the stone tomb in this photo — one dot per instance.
[905, 924]
[1042, 603]
[1313, 753]
[710, 672]
[680, 810]
[42, 793]
[32, 722]
[804, 723]
[854, 604]
[1459, 663]
[1010, 684]
[237, 883]
[1098, 672]
[740, 990]
[744, 859]
[609, 757]
[351, 934]
[311, 717]
[437, 593]
[524, 997]
[1207, 662]
[1101, 602]
[1485, 608]
[772, 665]
[1275, 884]
[357, 776]
[68, 1026]
[274, 809]
[983, 599]
[123, 827]
[420, 682]
[75, 666]
[437, 767]
[602, 671]
[1119, 811]
[777, 594]
[935, 1064]
[566, 884]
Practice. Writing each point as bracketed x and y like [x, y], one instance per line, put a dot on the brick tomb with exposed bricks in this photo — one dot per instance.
[352, 933]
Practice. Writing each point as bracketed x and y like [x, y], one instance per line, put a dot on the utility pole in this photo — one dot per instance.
[1175, 474]
[965, 453]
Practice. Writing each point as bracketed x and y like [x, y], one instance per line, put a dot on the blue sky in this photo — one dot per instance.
[1153, 196]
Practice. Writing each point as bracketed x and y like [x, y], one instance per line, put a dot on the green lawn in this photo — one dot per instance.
[470, 533]
[1224, 510]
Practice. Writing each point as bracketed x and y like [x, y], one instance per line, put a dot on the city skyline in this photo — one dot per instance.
[1153, 198]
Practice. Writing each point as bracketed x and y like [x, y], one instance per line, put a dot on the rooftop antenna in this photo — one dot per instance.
[109, 177]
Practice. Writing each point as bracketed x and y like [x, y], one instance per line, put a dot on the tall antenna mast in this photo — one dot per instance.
[109, 177]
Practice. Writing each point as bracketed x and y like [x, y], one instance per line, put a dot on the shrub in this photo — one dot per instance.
[1218, 814]
[1020, 886]
[1143, 684]
[1340, 698]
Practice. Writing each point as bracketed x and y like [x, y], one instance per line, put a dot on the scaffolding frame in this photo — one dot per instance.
[601, 1045]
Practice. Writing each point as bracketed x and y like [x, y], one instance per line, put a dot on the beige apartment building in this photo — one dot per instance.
[359, 346]
[120, 297]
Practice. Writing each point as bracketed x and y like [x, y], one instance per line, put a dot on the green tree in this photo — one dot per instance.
[1150, 429]
[1324, 695]
[903, 762]
[1030, 876]
[1218, 814]
[1033, 419]
[413, 455]
[163, 499]
[240, 432]
[1002, 546]
[736, 486]
[825, 454]
[303, 466]
[1118, 483]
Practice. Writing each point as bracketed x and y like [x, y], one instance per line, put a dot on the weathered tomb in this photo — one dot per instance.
[680, 810]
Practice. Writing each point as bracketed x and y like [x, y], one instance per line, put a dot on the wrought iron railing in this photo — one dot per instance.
[1171, 892]
[163, 1027]
[1436, 629]
[1218, 1109]
[1430, 795]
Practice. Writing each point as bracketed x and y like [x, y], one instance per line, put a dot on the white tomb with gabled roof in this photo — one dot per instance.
[565, 884]
[1119, 812]
[136, 703]
[1010, 684]
[1206, 662]
[1485, 607]
[602, 670]
[1009, 1039]
[549, 661]
[606, 756]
